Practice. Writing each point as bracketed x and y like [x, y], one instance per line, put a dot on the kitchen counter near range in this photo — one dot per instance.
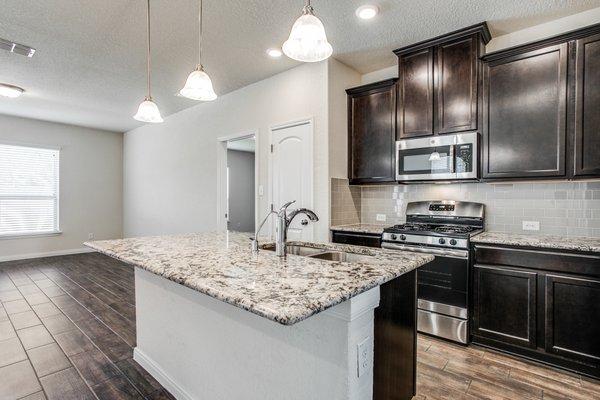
[359, 228]
[583, 244]
[285, 290]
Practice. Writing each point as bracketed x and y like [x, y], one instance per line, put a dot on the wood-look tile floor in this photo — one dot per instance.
[67, 331]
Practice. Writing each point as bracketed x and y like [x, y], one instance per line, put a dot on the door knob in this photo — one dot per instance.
[304, 222]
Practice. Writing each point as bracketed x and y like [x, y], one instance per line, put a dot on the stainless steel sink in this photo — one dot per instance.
[343, 256]
[322, 254]
[296, 250]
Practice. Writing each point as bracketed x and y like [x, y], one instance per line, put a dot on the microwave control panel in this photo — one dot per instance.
[464, 157]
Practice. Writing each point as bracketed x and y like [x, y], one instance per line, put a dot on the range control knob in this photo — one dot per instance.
[442, 241]
[453, 242]
[402, 237]
[394, 237]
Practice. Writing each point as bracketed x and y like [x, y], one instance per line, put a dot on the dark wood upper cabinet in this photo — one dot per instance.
[439, 83]
[525, 111]
[587, 107]
[456, 85]
[415, 111]
[372, 132]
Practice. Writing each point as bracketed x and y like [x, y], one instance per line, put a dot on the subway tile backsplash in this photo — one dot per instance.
[561, 208]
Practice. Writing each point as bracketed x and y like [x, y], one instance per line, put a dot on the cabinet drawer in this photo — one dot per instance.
[356, 239]
[539, 259]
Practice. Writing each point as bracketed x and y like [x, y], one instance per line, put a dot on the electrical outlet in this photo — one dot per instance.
[381, 217]
[261, 190]
[90, 236]
[365, 356]
[531, 225]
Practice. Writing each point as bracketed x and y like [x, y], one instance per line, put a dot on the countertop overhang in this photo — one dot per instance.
[285, 290]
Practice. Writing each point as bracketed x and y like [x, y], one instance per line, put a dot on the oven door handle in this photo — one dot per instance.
[463, 254]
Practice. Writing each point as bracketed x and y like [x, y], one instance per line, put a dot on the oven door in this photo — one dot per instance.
[425, 159]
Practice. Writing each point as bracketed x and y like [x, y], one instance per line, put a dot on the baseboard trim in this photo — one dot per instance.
[46, 254]
[157, 373]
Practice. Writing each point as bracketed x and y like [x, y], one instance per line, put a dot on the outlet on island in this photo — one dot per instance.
[365, 356]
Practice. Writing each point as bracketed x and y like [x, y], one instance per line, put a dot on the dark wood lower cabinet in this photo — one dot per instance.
[573, 317]
[540, 304]
[395, 360]
[356, 239]
[505, 304]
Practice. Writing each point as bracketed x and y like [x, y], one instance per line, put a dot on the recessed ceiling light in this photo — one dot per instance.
[367, 11]
[275, 53]
[11, 91]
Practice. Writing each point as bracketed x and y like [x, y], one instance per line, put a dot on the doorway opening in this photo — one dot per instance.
[240, 183]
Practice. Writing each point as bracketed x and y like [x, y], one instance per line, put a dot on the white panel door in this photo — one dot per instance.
[292, 173]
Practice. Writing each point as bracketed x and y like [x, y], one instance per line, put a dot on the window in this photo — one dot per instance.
[28, 190]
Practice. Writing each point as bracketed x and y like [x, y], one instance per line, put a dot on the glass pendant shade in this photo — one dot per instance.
[198, 86]
[307, 41]
[148, 112]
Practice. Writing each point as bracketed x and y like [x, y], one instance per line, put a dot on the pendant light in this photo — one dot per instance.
[307, 41]
[198, 85]
[148, 111]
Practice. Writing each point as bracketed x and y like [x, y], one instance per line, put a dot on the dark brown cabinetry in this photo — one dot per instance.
[525, 110]
[372, 132]
[538, 303]
[505, 304]
[438, 83]
[357, 239]
[587, 106]
[540, 109]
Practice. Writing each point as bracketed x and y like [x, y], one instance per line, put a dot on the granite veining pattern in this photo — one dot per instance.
[584, 244]
[359, 228]
[285, 290]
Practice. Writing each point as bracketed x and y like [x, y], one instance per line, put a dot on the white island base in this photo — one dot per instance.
[198, 347]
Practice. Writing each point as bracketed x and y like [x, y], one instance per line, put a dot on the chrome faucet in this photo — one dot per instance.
[282, 224]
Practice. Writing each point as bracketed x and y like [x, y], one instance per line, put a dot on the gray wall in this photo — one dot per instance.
[91, 196]
[241, 190]
[562, 208]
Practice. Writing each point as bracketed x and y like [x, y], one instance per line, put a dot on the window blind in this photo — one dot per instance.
[28, 190]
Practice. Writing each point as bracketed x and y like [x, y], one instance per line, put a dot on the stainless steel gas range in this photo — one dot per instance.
[443, 229]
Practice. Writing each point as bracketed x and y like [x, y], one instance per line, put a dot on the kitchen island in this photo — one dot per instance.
[310, 331]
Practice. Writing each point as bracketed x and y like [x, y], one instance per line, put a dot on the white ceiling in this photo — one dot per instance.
[89, 68]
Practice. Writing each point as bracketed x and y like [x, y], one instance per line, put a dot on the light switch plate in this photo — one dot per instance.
[531, 225]
[365, 356]
[381, 217]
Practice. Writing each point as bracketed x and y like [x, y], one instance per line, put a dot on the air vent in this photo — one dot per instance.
[17, 48]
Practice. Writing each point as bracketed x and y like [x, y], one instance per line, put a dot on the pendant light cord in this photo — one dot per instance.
[200, 35]
[148, 51]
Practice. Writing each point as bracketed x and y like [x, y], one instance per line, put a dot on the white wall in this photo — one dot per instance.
[91, 165]
[170, 169]
[241, 190]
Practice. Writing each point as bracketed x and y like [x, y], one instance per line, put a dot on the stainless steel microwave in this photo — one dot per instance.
[446, 157]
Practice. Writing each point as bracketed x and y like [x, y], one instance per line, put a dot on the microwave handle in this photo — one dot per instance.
[452, 156]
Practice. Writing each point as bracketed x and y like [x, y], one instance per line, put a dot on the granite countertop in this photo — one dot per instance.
[584, 244]
[285, 290]
[359, 228]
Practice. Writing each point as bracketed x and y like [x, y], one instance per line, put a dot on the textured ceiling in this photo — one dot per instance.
[89, 66]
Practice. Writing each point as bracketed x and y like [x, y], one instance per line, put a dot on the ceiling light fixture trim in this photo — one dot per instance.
[307, 41]
[148, 110]
[367, 11]
[198, 85]
[10, 91]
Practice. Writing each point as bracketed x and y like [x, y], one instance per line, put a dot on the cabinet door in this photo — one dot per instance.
[372, 131]
[415, 105]
[505, 305]
[356, 239]
[572, 318]
[456, 86]
[524, 130]
[587, 107]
